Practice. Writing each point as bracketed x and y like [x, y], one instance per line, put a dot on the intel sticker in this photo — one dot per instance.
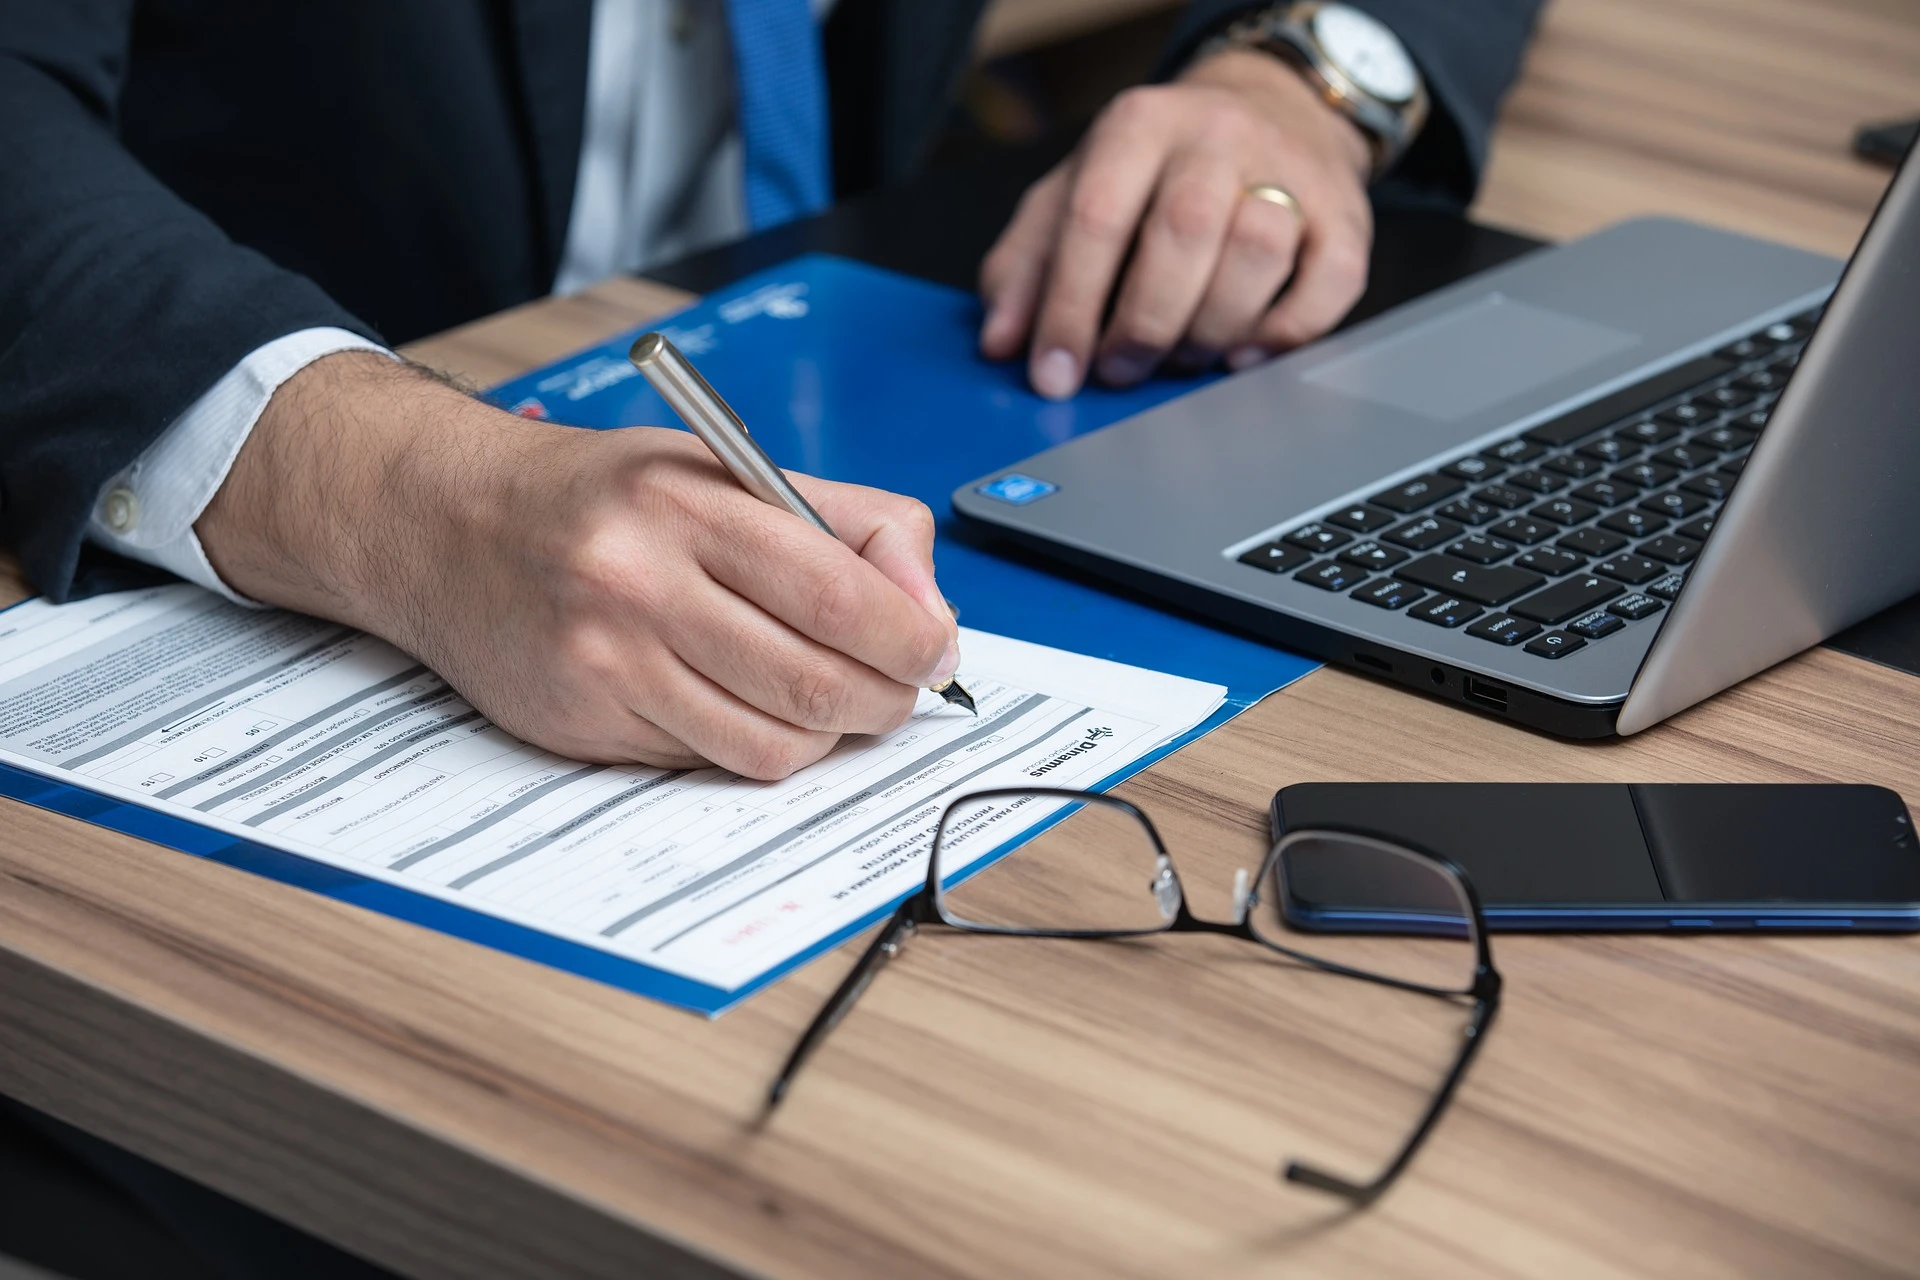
[1016, 489]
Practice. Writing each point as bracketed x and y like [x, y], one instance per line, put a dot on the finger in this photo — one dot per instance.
[822, 588]
[712, 724]
[766, 664]
[1179, 249]
[1255, 263]
[1015, 268]
[1330, 277]
[891, 532]
[1110, 189]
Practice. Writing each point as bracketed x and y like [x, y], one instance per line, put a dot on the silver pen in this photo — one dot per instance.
[721, 430]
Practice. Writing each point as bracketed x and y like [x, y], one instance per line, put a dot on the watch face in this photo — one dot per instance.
[1366, 52]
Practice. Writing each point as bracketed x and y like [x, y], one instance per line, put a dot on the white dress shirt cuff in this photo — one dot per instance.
[147, 511]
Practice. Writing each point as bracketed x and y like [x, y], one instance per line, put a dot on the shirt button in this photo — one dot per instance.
[120, 509]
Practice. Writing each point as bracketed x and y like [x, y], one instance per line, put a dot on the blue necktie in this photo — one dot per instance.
[780, 86]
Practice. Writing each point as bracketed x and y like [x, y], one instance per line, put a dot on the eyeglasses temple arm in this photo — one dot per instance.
[1366, 1193]
[883, 948]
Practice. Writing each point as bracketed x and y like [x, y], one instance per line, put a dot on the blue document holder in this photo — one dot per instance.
[853, 373]
[847, 372]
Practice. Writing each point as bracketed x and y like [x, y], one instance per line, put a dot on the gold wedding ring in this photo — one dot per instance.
[1277, 195]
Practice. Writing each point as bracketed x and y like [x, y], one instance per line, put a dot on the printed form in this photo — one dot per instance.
[331, 744]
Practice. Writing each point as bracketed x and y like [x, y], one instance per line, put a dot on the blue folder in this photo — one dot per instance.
[854, 374]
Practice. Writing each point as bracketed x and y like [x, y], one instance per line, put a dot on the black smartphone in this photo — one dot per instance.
[1887, 143]
[1643, 856]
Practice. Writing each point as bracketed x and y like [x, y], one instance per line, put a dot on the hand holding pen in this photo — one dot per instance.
[722, 431]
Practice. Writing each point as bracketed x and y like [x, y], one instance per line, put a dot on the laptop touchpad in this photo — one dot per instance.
[1470, 358]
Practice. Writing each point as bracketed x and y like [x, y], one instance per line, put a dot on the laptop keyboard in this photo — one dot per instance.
[1570, 531]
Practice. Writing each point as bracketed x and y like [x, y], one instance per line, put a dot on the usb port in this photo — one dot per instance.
[1485, 693]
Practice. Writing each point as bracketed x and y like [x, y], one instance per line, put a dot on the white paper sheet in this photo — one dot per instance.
[328, 743]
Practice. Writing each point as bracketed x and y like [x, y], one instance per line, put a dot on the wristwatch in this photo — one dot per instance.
[1351, 58]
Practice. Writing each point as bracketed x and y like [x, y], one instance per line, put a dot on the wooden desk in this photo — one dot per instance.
[1707, 1106]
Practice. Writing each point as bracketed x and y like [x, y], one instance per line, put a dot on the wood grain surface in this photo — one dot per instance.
[1725, 1106]
[1738, 113]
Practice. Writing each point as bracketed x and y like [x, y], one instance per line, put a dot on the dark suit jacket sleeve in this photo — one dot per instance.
[119, 303]
[1469, 52]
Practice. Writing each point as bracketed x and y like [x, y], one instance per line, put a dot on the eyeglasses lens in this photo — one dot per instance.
[1368, 906]
[1096, 867]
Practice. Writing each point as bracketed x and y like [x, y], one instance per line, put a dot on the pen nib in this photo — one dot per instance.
[959, 697]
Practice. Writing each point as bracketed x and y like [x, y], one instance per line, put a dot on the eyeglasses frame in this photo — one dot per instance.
[927, 906]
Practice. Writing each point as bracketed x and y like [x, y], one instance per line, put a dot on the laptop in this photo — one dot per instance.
[1581, 491]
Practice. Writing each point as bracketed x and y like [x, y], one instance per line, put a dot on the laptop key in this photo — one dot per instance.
[1595, 625]
[1361, 518]
[1750, 348]
[1685, 457]
[1317, 538]
[1648, 475]
[1633, 606]
[1500, 496]
[1687, 413]
[1473, 468]
[1612, 449]
[1565, 511]
[1390, 593]
[1673, 504]
[1523, 529]
[1768, 379]
[1648, 432]
[1668, 587]
[1503, 628]
[1514, 452]
[1550, 561]
[1372, 555]
[1605, 493]
[1670, 549]
[1421, 491]
[1726, 438]
[1735, 467]
[1425, 533]
[1630, 569]
[1481, 550]
[1572, 464]
[1331, 575]
[1592, 542]
[1635, 524]
[1729, 396]
[1484, 585]
[1556, 644]
[1537, 481]
[1468, 511]
[1696, 529]
[1568, 598]
[1753, 419]
[1711, 485]
[1446, 611]
[1275, 557]
[1607, 410]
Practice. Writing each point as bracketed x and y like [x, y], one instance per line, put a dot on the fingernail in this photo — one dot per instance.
[1123, 369]
[948, 664]
[990, 328]
[1245, 357]
[1056, 374]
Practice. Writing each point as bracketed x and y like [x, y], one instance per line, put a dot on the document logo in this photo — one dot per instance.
[1086, 744]
[1016, 490]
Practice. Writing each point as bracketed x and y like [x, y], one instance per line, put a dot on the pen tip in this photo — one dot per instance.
[957, 696]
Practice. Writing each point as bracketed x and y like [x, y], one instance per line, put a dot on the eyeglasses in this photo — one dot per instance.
[1342, 902]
